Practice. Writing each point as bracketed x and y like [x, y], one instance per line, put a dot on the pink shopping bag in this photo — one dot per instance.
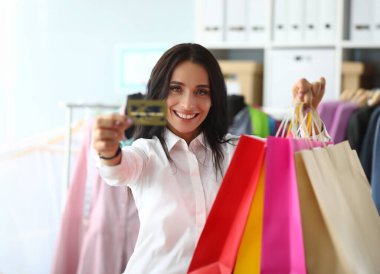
[282, 244]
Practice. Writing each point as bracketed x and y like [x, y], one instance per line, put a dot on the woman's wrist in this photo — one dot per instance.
[111, 160]
[110, 157]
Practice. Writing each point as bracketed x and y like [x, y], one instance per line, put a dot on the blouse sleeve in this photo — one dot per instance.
[133, 160]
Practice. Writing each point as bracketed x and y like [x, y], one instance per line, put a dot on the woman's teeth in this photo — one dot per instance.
[185, 116]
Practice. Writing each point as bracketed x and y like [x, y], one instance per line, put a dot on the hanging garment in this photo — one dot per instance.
[326, 110]
[69, 240]
[31, 199]
[375, 175]
[253, 121]
[111, 232]
[357, 126]
[99, 239]
[342, 115]
[241, 123]
[235, 103]
[366, 152]
[260, 122]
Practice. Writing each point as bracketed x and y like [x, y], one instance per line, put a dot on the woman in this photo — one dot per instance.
[175, 171]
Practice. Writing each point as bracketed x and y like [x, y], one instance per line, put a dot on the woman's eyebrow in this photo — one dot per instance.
[182, 84]
[203, 86]
[176, 82]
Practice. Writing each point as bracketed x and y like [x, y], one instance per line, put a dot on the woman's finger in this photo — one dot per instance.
[106, 147]
[107, 134]
[302, 92]
[112, 121]
[318, 90]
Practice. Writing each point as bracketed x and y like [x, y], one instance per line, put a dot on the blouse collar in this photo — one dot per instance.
[171, 140]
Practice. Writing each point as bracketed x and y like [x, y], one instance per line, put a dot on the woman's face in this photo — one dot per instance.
[189, 100]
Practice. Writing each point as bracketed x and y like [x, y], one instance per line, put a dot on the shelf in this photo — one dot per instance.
[261, 46]
[275, 45]
[360, 45]
[228, 46]
[302, 45]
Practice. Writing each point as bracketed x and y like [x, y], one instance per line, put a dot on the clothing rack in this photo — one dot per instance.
[70, 107]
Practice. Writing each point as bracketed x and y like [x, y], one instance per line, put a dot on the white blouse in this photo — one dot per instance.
[173, 198]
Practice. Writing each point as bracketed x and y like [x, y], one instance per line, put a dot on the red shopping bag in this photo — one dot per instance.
[282, 243]
[219, 242]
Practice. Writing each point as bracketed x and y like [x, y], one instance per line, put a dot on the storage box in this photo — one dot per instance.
[244, 78]
[356, 75]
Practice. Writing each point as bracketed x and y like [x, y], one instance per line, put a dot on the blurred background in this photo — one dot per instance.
[62, 62]
[55, 52]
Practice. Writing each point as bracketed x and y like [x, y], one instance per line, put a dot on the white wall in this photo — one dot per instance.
[53, 51]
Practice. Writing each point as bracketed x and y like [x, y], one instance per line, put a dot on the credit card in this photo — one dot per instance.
[147, 112]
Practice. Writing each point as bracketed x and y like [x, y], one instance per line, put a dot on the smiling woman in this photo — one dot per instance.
[189, 100]
[174, 172]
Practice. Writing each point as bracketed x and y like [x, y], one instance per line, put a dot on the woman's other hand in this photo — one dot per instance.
[108, 131]
[308, 93]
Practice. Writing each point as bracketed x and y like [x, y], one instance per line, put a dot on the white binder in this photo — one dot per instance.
[309, 63]
[311, 26]
[257, 20]
[236, 27]
[361, 20]
[280, 21]
[376, 21]
[327, 20]
[212, 21]
[296, 19]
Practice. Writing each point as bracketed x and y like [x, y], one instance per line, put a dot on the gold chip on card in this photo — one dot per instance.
[147, 112]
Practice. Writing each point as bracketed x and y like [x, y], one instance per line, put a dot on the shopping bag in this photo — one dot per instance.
[343, 229]
[320, 253]
[311, 217]
[218, 244]
[282, 241]
[249, 254]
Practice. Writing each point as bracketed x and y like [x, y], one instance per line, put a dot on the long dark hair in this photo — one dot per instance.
[215, 126]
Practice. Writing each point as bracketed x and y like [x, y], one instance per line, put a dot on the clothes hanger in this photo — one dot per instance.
[347, 94]
[357, 95]
[362, 100]
[374, 100]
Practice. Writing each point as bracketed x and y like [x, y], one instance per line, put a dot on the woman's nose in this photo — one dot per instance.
[187, 100]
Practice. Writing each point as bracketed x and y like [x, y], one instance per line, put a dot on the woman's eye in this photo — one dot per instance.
[203, 92]
[175, 88]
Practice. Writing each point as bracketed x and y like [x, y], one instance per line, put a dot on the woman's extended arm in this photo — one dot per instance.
[108, 131]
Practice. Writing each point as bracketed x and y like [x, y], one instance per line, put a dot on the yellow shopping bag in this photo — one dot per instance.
[249, 255]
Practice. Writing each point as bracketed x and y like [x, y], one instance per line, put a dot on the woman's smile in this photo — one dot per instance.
[185, 116]
[189, 100]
